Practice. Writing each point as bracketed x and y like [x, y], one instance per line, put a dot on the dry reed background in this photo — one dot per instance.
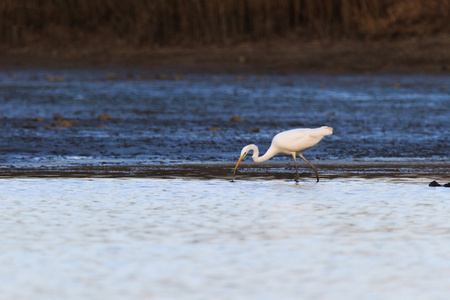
[216, 22]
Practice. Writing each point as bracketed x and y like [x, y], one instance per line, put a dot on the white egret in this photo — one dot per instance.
[291, 142]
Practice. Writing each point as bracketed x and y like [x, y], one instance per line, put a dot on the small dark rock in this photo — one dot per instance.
[447, 184]
[434, 183]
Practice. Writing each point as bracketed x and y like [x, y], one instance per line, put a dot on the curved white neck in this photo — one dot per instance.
[268, 155]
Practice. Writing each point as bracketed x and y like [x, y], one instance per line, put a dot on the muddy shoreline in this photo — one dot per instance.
[435, 169]
[279, 56]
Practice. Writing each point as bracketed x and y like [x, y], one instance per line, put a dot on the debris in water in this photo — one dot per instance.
[104, 117]
[112, 76]
[55, 79]
[237, 119]
[63, 123]
[58, 117]
[37, 119]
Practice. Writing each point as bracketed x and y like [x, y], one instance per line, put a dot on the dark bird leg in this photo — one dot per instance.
[296, 168]
[315, 170]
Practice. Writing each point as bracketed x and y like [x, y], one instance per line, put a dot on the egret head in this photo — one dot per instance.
[244, 152]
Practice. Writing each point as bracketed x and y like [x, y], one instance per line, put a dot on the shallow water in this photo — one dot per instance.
[170, 117]
[134, 238]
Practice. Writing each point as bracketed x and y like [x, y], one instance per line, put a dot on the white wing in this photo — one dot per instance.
[296, 140]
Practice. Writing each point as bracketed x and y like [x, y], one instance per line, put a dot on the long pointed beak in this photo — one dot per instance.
[239, 161]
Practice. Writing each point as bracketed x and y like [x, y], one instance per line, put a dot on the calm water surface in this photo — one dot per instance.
[351, 238]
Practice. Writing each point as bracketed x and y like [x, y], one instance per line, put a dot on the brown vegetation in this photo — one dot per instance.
[222, 22]
[241, 35]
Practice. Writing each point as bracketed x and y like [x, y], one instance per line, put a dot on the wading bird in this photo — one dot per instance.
[290, 142]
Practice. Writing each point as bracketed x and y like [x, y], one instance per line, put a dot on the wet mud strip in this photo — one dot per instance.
[246, 171]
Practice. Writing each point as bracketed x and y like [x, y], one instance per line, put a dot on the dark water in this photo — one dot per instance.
[171, 116]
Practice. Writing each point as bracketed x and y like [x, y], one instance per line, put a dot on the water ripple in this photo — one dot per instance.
[193, 239]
